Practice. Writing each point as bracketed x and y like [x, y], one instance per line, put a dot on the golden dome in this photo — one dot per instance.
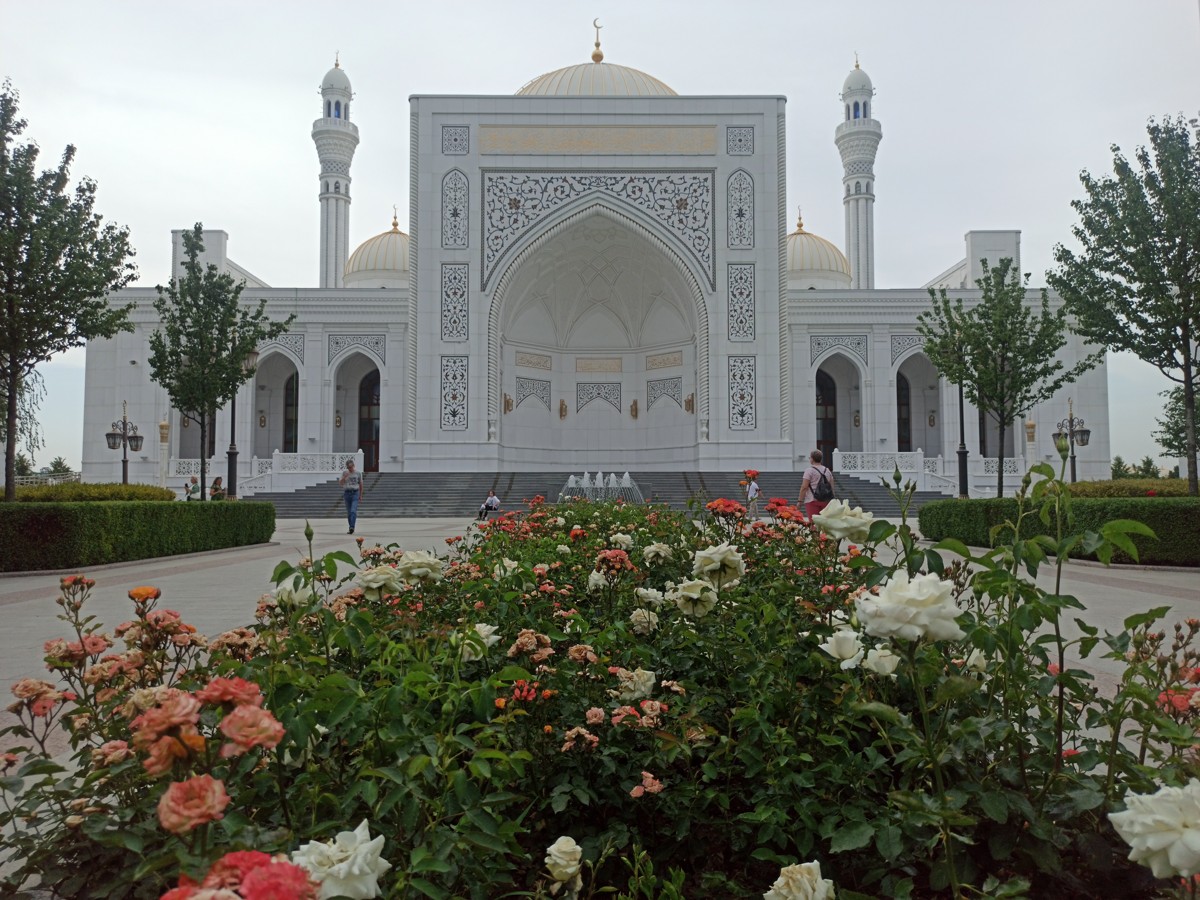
[811, 254]
[386, 252]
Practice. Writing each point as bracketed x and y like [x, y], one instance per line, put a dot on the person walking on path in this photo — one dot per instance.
[752, 493]
[352, 488]
[191, 489]
[817, 488]
[490, 505]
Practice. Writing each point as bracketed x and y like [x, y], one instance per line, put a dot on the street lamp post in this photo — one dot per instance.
[125, 435]
[962, 448]
[1071, 432]
[231, 475]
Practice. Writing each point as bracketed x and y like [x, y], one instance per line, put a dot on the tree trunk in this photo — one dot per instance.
[1189, 423]
[203, 457]
[1003, 427]
[10, 434]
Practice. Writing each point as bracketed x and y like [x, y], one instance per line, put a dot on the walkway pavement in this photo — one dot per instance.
[218, 591]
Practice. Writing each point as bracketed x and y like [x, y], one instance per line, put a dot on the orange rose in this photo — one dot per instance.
[189, 804]
[248, 727]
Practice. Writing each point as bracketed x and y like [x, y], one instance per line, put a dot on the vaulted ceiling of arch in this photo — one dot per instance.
[598, 285]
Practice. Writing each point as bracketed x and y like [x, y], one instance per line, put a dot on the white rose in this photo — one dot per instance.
[377, 581]
[1163, 829]
[649, 597]
[622, 540]
[718, 564]
[632, 686]
[881, 661]
[563, 550]
[912, 610]
[347, 866]
[694, 598]
[560, 521]
[656, 553]
[506, 566]
[839, 521]
[644, 621]
[596, 582]
[846, 646]
[563, 859]
[419, 565]
[976, 661]
[486, 635]
[802, 882]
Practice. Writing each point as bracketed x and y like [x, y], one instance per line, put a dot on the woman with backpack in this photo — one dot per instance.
[817, 489]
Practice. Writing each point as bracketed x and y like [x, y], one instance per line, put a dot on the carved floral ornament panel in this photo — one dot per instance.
[454, 393]
[293, 342]
[742, 390]
[375, 343]
[664, 387]
[456, 139]
[681, 201]
[902, 343]
[741, 301]
[456, 213]
[586, 392]
[740, 224]
[454, 301]
[533, 387]
[820, 343]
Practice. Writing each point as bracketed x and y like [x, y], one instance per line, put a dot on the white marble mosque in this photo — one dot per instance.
[597, 272]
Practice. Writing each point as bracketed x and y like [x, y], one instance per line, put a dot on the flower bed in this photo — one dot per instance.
[613, 696]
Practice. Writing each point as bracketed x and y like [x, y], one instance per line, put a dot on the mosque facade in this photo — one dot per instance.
[597, 273]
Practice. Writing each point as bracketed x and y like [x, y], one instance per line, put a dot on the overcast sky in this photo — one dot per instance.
[186, 112]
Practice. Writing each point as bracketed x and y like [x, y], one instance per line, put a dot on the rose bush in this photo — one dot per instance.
[692, 740]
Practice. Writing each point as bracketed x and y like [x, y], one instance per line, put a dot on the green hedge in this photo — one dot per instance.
[72, 535]
[1131, 487]
[75, 492]
[1175, 521]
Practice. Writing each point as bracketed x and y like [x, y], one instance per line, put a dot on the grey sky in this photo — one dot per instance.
[201, 112]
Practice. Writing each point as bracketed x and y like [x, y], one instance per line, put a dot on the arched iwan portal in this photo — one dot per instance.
[598, 349]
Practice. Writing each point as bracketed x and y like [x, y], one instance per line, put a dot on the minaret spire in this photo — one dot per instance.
[335, 137]
[857, 139]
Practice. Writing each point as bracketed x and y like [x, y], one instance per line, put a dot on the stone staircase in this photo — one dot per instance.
[449, 494]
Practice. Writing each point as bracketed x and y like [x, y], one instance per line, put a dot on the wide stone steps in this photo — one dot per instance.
[447, 494]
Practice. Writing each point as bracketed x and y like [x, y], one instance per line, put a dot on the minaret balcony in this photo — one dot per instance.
[340, 124]
[859, 127]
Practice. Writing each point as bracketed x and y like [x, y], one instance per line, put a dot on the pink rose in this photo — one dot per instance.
[236, 691]
[279, 881]
[189, 804]
[247, 727]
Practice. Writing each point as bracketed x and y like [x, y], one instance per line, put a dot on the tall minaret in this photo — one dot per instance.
[335, 137]
[857, 139]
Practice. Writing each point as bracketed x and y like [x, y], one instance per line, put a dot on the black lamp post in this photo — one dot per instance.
[125, 435]
[248, 365]
[1071, 432]
[962, 448]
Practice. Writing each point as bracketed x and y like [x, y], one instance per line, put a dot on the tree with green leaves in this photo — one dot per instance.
[1147, 468]
[58, 264]
[199, 353]
[1120, 469]
[1002, 352]
[1172, 436]
[30, 394]
[59, 466]
[22, 465]
[1135, 283]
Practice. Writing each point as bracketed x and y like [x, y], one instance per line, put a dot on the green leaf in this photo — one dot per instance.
[994, 805]
[954, 687]
[1146, 618]
[429, 890]
[889, 842]
[877, 710]
[852, 836]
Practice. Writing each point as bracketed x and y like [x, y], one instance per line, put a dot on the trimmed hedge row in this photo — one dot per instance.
[75, 492]
[1131, 487]
[72, 535]
[1175, 521]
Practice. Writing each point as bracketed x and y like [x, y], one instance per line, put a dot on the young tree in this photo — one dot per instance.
[1002, 352]
[22, 465]
[1135, 285]
[1147, 468]
[1120, 469]
[58, 263]
[199, 353]
[1173, 436]
[58, 466]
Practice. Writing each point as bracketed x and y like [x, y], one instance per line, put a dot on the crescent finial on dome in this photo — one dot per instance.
[337, 59]
[395, 219]
[597, 54]
[856, 59]
[799, 221]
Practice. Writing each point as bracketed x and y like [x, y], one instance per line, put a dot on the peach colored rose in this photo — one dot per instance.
[188, 804]
[236, 691]
[248, 727]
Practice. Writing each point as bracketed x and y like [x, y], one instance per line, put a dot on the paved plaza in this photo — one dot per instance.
[218, 591]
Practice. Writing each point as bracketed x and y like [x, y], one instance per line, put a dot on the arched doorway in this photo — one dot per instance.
[357, 398]
[597, 349]
[920, 410]
[826, 415]
[903, 415]
[368, 421]
[276, 424]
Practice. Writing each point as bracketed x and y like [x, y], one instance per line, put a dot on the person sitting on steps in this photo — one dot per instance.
[489, 505]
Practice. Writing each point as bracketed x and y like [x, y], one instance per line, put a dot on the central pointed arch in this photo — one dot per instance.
[583, 209]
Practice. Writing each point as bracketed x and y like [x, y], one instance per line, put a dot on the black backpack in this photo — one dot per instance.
[822, 490]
